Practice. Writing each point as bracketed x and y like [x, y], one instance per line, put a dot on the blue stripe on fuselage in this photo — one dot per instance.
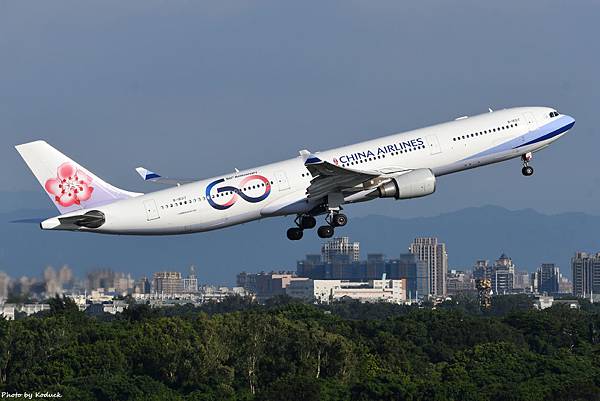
[550, 134]
[547, 131]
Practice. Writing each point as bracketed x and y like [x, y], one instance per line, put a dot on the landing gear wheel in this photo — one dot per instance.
[339, 220]
[527, 171]
[308, 222]
[325, 231]
[295, 233]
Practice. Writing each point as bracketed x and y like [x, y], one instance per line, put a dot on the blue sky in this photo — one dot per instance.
[195, 89]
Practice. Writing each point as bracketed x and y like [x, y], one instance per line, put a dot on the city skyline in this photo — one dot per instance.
[530, 247]
[85, 276]
[424, 267]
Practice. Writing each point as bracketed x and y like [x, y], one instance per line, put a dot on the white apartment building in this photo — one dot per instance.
[325, 291]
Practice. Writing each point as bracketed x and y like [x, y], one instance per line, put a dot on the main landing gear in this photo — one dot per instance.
[527, 170]
[303, 222]
[333, 219]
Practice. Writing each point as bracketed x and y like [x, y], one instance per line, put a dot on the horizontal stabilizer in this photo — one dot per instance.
[91, 219]
[31, 220]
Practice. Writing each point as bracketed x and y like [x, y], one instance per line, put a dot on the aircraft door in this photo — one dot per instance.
[529, 120]
[151, 210]
[282, 181]
[433, 144]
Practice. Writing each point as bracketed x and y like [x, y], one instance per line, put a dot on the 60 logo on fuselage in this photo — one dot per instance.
[235, 192]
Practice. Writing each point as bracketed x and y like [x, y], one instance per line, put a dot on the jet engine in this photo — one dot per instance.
[414, 184]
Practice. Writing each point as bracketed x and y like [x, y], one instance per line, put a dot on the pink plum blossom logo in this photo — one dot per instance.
[70, 187]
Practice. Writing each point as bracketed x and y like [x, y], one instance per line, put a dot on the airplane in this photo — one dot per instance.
[399, 166]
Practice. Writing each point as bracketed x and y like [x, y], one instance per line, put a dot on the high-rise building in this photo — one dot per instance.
[340, 249]
[142, 286]
[460, 282]
[247, 281]
[100, 278]
[167, 283]
[548, 278]
[434, 254]
[23, 285]
[586, 274]
[65, 276]
[306, 267]
[503, 275]
[52, 284]
[190, 284]
[123, 283]
[49, 273]
[482, 270]
[564, 285]
[522, 280]
[4, 280]
[414, 270]
[375, 265]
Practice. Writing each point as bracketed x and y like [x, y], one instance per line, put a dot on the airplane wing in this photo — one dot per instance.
[329, 178]
[151, 176]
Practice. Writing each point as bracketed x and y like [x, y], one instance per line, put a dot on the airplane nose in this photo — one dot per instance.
[570, 120]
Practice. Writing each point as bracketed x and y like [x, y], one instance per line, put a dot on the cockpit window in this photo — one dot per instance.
[554, 114]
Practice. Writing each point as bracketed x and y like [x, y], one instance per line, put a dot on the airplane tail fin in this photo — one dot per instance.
[70, 186]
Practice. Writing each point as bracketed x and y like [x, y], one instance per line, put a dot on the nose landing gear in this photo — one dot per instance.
[527, 170]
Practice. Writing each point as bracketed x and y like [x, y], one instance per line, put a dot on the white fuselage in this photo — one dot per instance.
[281, 188]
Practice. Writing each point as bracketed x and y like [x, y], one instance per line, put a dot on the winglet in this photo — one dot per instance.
[312, 160]
[156, 178]
[146, 174]
[309, 158]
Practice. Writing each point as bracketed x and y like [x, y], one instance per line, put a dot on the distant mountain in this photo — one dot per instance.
[527, 236]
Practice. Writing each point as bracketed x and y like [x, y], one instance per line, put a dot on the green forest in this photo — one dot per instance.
[287, 350]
